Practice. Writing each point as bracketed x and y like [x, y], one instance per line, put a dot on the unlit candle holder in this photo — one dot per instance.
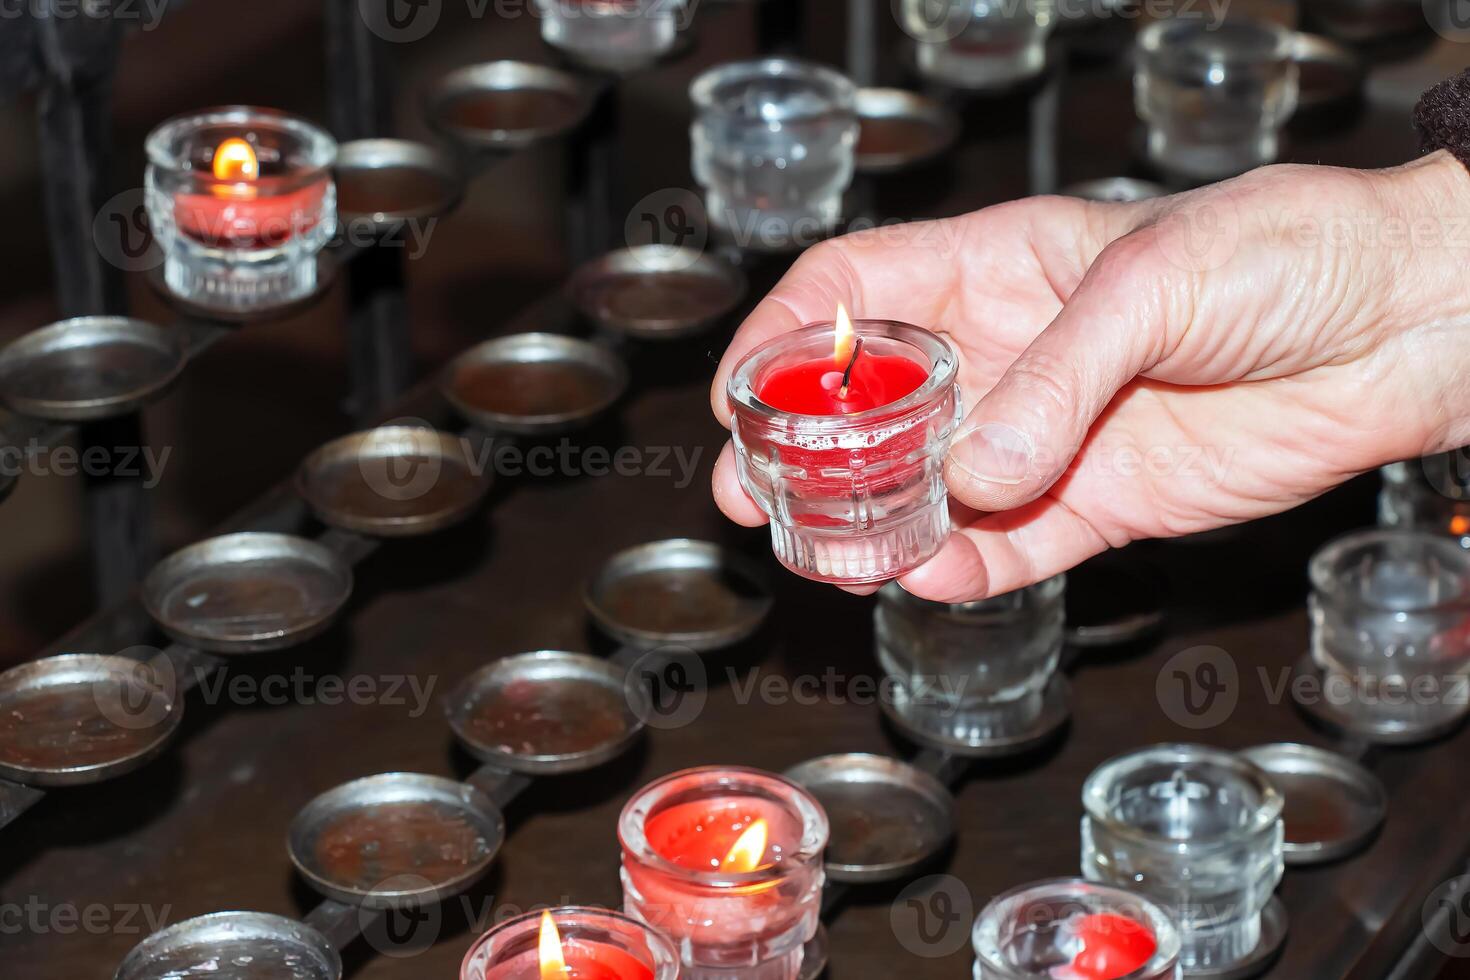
[1429, 494]
[1200, 831]
[978, 44]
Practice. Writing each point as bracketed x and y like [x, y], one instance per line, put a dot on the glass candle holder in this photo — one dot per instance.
[979, 44]
[241, 200]
[773, 145]
[1429, 494]
[1214, 96]
[1068, 928]
[727, 862]
[1195, 828]
[591, 943]
[858, 497]
[1390, 614]
[617, 35]
[971, 672]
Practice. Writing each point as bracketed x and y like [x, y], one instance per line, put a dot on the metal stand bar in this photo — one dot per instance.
[591, 176]
[380, 362]
[780, 26]
[73, 118]
[1045, 112]
[340, 923]
[501, 785]
[862, 42]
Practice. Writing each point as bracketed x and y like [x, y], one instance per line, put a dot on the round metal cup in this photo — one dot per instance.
[1338, 717]
[399, 838]
[1330, 72]
[887, 817]
[247, 592]
[656, 291]
[1118, 190]
[534, 383]
[679, 592]
[546, 712]
[393, 481]
[507, 105]
[89, 367]
[1273, 935]
[388, 181]
[1055, 711]
[83, 717]
[233, 946]
[1333, 805]
[899, 129]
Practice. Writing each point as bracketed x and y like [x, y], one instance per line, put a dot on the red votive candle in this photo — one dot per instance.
[727, 862]
[571, 944]
[840, 432]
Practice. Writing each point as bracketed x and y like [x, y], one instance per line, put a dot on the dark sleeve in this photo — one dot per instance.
[1442, 117]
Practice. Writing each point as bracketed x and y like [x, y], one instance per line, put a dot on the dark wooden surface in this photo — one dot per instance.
[203, 828]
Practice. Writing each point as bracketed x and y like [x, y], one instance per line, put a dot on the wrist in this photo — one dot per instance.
[1426, 215]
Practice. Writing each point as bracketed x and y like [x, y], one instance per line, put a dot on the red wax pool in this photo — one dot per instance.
[1112, 946]
[248, 207]
[814, 387]
[702, 836]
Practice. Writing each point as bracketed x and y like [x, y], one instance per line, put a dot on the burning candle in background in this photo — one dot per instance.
[571, 944]
[728, 864]
[840, 431]
[241, 200]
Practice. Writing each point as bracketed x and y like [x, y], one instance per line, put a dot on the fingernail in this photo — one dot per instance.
[994, 452]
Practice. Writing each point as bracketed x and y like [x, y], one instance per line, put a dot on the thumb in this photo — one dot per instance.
[1023, 434]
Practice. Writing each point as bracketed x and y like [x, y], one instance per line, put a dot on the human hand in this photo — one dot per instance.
[1159, 368]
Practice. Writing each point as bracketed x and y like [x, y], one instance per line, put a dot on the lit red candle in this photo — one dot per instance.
[1112, 946]
[728, 864]
[844, 384]
[571, 944]
[245, 201]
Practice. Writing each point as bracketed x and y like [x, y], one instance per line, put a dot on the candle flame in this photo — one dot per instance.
[235, 159]
[749, 850]
[842, 346]
[1459, 524]
[553, 964]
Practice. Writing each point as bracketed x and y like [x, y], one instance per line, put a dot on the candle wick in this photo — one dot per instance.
[857, 348]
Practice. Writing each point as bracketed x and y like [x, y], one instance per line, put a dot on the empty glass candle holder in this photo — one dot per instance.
[773, 145]
[857, 497]
[1198, 830]
[727, 862]
[971, 672]
[1067, 928]
[241, 201]
[616, 35]
[979, 44]
[1390, 616]
[587, 942]
[1214, 96]
[1429, 494]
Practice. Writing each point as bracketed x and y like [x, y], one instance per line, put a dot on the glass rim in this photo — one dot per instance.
[943, 368]
[1321, 568]
[1048, 590]
[1167, 933]
[843, 89]
[650, 935]
[807, 809]
[1264, 814]
[320, 145]
[1284, 39]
